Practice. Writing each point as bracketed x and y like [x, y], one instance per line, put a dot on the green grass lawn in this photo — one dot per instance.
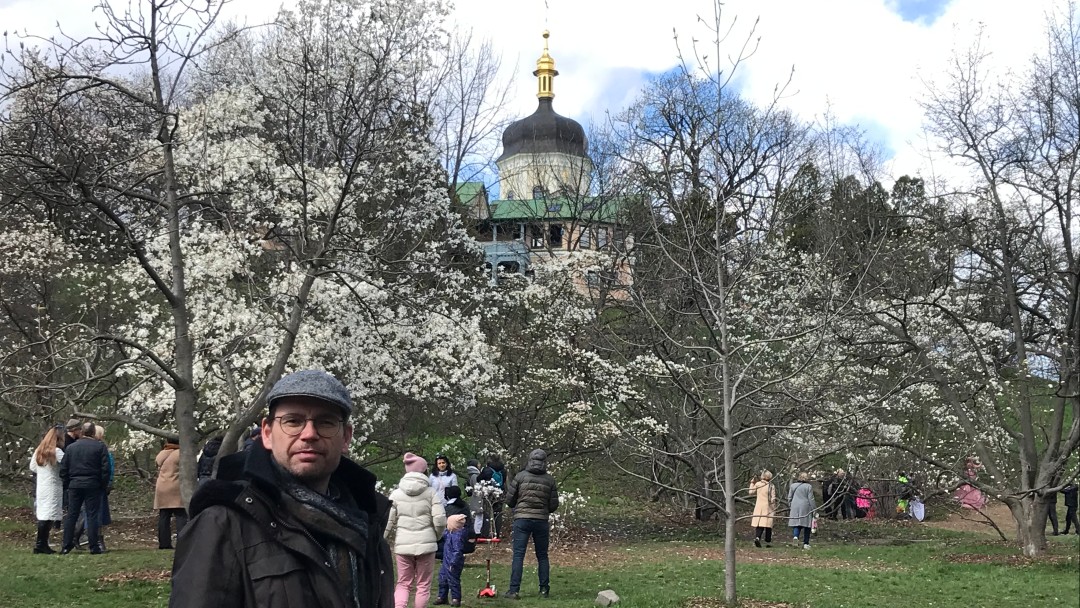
[857, 564]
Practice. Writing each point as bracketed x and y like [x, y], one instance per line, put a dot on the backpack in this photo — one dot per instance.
[497, 477]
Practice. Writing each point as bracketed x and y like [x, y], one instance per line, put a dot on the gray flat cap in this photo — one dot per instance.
[313, 384]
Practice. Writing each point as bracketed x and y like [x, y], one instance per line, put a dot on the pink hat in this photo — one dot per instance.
[414, 463]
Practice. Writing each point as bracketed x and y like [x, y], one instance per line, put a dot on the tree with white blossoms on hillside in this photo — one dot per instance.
[552, 385]
[992, 331]
[240, 203]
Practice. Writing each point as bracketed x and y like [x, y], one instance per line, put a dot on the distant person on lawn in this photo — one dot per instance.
[1069, 492]
[454, 548]
[417, 521]
[442, 477]
[493, 474]
[104, 513]
[764, 507]
[85, 473]
[167, 498]
[533, 496]
[49, 489]
[74, 432]
[801, 516]
[290, 522]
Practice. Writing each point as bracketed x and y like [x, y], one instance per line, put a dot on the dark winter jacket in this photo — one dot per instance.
[85, 465]
[1069, 492]
[206, 459]
[532, 493]
[243, 548]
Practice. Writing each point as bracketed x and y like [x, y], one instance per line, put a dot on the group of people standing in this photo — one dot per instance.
[74, 474]
[431, 517]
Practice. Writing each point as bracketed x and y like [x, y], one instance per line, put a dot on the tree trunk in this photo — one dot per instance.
[1030, 514]
[729, 509]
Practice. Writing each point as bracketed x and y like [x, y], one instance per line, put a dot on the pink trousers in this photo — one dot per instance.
[414, 569]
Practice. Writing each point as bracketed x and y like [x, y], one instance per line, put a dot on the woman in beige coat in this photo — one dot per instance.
[167, 499]
[764, 507]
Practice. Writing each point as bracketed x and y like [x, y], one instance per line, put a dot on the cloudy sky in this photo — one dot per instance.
[867, 61]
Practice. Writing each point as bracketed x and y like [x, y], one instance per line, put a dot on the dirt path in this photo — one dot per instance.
[966, 520]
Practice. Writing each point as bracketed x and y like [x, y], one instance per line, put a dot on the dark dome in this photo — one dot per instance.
[544, 131]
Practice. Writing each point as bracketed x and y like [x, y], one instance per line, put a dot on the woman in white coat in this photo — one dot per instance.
[49, 494]
[417, 521]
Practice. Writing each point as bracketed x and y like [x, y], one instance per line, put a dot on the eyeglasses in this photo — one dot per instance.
[293, 424]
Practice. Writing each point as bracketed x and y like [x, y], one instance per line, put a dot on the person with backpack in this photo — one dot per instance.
[455, 546]
[764, 507]
[494, 473]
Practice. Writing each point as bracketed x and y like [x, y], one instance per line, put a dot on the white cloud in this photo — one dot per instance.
[858, 57]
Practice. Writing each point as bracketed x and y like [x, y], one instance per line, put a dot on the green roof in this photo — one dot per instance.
[467, 191]
[589, 209]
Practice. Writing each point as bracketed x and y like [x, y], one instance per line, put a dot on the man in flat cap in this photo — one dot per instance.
[289, 522]
[74, 432]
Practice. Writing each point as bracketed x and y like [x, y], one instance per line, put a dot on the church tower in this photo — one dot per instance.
[544, 154]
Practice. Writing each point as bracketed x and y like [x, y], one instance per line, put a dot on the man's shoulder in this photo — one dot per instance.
[216, 493]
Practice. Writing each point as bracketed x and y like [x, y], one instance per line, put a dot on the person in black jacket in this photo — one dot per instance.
[206, 459]
[533, 496]
[290, 522]
[1069, 492]
[85, 474]
[1051, 511]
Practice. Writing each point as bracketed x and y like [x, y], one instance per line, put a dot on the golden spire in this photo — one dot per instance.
[545, 72]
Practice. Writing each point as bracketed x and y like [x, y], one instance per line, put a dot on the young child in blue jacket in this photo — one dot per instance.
[453, 557]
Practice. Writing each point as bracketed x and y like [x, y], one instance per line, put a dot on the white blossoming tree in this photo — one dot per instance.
[993, 332]
[553, 385]
[251, 202]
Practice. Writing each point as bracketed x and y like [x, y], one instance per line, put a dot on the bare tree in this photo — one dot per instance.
[468, 106]
[741, 326]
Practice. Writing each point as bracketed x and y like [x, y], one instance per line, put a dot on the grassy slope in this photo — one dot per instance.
[855, 564]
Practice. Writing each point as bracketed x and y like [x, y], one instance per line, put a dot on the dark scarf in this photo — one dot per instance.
[336, 523]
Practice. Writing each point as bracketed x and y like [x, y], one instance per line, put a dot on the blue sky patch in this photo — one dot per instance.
[919, 11]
